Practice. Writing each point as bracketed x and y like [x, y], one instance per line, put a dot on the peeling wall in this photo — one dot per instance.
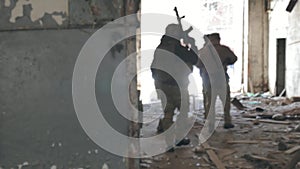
[39, 9]
[90, 12]
[37, 14]
[33, 14]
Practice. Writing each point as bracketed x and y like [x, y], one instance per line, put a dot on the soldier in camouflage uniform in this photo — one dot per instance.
[172, 84]
[227, 57]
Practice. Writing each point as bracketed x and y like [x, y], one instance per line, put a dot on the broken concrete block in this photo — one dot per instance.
[259, 109]
[279, 117]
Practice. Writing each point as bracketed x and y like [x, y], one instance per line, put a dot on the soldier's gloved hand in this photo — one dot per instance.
[182, 43]
[189, 46]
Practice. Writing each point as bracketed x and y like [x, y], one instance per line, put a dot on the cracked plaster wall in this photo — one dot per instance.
[37, 14]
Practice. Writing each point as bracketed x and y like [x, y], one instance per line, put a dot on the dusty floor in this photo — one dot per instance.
[252, 144]
[28, 141]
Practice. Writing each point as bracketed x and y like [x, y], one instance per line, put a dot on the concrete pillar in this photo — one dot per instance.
[257, 46]
[132, 7]
[293, 53]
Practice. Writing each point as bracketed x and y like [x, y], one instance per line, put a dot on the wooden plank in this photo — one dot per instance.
[294, 137]
[212, 155]
[247, 115]
[292, 150]
[295, 99]
[225, 152]
[272, 121]
[274, 131]
[243, 142]
[263, 158]
[261, 115]
[275, 122]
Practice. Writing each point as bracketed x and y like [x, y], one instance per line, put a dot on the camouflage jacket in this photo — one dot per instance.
[172, 62]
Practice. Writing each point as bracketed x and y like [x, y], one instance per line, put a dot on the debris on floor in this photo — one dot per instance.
[266, 135]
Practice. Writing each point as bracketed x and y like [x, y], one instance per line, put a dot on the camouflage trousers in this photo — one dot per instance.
[210, 97]
[172, 98]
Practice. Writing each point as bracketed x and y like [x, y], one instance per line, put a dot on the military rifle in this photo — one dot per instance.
[185, 39]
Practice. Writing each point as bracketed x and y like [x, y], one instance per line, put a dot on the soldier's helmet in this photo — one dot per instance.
[173, 30]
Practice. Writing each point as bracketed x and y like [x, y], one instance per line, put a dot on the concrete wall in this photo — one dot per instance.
[278, 20]
[293, 53]
[36, 102]
[39, 44]
[37, 14]
[257, 47]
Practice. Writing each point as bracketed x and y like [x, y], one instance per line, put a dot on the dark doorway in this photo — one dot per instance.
[280, 71]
